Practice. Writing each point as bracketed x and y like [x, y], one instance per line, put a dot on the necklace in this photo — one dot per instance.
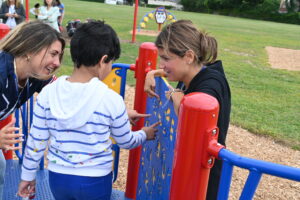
[17, 80]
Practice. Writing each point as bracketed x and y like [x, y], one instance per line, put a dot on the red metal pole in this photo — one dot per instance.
[4, 30]
[146, 62]
[136, 6]
[27, 10]
[8, 154]
[197, 128]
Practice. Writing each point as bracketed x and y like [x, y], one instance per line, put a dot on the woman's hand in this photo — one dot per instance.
[8, 137]
[149, 86]
[8, 15]
[26, 188]
[176, 98]
[175, 95]
[135, 116]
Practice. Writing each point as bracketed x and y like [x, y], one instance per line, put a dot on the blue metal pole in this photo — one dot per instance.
[273, 169]
[251, 185]
[225, 180]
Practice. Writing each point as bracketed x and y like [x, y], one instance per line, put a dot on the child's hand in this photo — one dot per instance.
[151, 130]
[135, 116]
[26, 188]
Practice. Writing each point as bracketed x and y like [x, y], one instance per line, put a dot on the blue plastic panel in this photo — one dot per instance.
[157, 156]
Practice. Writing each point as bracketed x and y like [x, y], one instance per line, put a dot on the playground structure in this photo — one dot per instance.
[153, 172]
[160, 15]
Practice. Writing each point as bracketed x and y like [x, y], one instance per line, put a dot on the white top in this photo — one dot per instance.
[77, 119]
[50, 16]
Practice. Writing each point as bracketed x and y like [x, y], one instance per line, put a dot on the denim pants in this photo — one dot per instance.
[2, 173]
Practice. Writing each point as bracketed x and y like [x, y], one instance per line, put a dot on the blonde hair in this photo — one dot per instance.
[30, 38]
[181, 36]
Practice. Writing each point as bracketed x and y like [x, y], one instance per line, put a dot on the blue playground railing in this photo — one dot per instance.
[256, 169]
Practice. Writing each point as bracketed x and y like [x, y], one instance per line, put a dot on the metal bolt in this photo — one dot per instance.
[210, 160]
[214, 132]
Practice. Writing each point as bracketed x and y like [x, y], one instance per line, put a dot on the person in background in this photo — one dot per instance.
[29, 56]
[60, 19]
[189, 56]
[49, 13]
[12, 12]
[35, 10]
[75, 116]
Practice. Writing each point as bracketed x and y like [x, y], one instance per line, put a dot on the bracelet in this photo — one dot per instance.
[171, 94]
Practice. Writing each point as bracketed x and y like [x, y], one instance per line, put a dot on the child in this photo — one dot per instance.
[35, 10]
[75, 116]
[189, 56]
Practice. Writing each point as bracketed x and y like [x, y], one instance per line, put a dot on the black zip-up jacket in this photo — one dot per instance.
[212, 80]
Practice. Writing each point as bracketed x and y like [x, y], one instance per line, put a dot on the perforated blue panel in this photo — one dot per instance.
[157, 156]
[12, 179]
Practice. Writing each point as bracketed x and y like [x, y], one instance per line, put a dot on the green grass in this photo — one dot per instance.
[264, 100]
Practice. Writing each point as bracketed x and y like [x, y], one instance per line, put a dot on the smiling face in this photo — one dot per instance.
[46, 61]
[174, 66]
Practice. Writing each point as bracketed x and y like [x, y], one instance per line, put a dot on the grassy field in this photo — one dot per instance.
[264, 100]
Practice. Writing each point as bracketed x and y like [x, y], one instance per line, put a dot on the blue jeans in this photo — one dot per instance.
[2, 172]
[71, 187]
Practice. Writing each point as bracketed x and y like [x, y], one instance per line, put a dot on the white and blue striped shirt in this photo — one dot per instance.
[77, 130]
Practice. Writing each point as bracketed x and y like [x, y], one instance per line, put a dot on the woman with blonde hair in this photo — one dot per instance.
[12, 12]
[29, 56]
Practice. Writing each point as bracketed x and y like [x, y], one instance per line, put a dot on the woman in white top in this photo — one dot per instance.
[49, 13]
[12, 12]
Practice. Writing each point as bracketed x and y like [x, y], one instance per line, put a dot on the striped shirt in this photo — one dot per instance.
[80, 145]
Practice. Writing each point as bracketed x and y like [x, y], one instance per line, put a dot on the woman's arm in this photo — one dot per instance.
[54, 14]
[42, 14]
[3, 11]
[20, 14]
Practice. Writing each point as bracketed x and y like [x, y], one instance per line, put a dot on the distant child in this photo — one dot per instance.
[35, 10]
[75, 116]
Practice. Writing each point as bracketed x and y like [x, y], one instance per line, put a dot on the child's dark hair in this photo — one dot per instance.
[91, 41]
[37, 5]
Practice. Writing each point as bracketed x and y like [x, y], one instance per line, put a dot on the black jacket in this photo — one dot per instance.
[212, 80]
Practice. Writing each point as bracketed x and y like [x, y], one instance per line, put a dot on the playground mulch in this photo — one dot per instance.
[249, 145]
[282, 58]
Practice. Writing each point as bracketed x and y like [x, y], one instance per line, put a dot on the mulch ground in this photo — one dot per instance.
[246, 144]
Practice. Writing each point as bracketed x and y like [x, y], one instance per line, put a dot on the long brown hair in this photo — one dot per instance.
[181, 36]
[17, 3]
[30, 37]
